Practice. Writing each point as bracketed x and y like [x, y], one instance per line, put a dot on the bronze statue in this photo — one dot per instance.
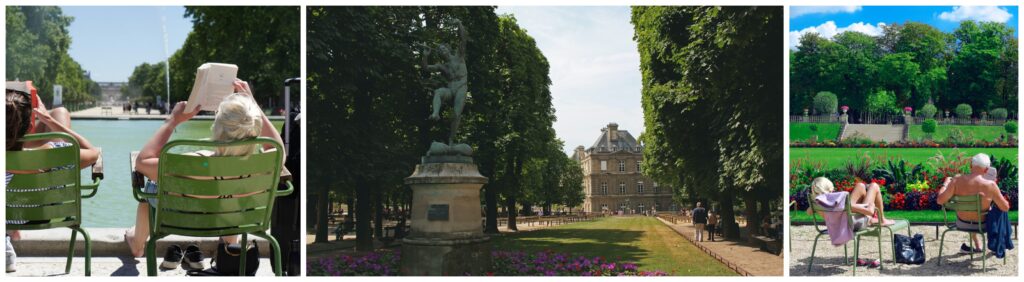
[454, 72]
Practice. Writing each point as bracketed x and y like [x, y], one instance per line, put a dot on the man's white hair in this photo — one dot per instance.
[981, 160]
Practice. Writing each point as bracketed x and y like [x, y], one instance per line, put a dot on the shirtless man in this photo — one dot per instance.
[973, 184]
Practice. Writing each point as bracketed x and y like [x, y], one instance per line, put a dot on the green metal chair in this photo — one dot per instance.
[183, 177]
[970, 204]
[34, 198]
[868, 231]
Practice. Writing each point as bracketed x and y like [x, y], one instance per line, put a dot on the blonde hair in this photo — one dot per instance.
[238, 117]
[820, 186]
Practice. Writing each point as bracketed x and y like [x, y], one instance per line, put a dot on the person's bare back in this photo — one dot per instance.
[976, 184]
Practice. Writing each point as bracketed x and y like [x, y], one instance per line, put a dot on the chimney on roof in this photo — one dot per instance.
[613, 132]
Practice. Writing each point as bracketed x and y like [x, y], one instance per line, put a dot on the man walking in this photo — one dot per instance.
[700, 218]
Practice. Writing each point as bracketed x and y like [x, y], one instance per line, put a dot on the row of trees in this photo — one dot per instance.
[37, 50]
[910, 64]
[370, 99]
[711, 95]
[262, 41]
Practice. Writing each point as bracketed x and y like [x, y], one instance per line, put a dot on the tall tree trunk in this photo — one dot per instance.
[510, 205]
[730, 229]
[528, 209]
[750, 211]
[322, 214]
[378, 220]
[491, 209]
[350, 204]
[364, 211]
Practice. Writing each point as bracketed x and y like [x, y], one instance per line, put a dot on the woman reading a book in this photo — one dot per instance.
[238, 117]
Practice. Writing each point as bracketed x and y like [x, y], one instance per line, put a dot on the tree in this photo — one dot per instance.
[37, 50]
[710, 96]
[264, 43]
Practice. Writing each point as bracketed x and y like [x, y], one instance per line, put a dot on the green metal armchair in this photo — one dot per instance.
[193, 196]
[53, 197]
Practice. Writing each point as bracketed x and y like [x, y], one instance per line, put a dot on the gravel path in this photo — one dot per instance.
[829, 260]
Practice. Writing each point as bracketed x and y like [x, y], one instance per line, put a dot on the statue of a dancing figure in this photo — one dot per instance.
[453, 70]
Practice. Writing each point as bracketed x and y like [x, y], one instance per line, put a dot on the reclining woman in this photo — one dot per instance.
[863, 200]
[21, 121]
[238, 117]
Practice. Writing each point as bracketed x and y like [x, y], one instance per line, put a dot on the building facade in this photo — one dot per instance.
[612, 177]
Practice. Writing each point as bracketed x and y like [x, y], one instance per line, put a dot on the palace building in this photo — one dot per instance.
[612, 177]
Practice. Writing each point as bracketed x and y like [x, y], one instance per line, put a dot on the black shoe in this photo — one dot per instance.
[172, 258]
[193, 258]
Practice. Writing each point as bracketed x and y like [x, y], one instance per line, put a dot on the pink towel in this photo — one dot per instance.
[839, 229]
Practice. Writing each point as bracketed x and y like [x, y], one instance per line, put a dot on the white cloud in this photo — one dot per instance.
[977, 13]
[795, 12]
[829, 29]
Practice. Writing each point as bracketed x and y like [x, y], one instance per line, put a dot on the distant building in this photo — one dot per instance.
[111, 91]
[612, 178]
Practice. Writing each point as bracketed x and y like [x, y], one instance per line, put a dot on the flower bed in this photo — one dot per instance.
[905, 186]
[860, 143]
[504, 263]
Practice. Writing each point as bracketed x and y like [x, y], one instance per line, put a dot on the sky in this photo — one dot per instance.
[831, 20]
[595, 68]
[110, 41]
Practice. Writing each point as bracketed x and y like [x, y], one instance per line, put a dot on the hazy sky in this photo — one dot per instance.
[831, 20]
[595, 68]
[110, 41]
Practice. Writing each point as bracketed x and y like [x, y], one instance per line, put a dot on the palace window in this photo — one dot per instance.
[604, 207]
[622, 165]
[637, 166]
[604, 188]
[639, 187]
[622, 188]
[604, 165]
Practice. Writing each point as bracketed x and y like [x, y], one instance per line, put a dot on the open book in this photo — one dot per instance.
[213, 83]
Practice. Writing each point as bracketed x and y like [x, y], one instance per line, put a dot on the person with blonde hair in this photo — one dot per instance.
[238, 117]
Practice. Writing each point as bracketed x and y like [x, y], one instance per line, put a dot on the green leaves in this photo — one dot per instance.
[37, 45]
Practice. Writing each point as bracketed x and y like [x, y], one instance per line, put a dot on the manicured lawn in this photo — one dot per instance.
[912, 216]
[836, 157]
[980, 132]
[643, 240]
[803, 132]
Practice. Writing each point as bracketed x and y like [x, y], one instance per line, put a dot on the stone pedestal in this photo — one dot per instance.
[446, 236]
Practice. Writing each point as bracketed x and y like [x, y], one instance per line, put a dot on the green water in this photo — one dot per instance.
[113, 205]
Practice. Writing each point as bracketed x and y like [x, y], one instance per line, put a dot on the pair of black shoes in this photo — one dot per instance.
[192, 256]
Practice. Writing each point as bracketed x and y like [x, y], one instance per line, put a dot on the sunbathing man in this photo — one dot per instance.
[969, 185]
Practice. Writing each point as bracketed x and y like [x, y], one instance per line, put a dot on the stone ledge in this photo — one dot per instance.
[108, 242]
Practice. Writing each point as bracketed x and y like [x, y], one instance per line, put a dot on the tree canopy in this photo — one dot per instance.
[37, 50]
[918, 64]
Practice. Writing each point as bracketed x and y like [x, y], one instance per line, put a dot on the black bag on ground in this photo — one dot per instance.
[909, 250]
[227, 259]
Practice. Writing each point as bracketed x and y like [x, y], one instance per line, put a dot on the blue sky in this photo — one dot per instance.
[595, 68]
[831, 20]
[110, 41]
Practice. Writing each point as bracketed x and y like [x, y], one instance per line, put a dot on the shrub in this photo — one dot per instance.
[964, 111]
[960, 137]
[825, 103]
[813, 127]
[929, 126]
[998, 113]
[1011, 127]
[882, 102]
[928, 111]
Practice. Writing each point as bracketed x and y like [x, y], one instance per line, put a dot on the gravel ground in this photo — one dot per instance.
[829, 260]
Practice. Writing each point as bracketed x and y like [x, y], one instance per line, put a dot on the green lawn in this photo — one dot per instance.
[980, 132]
[643, 240]
[799, 131]
[912, 216]
[836, 157]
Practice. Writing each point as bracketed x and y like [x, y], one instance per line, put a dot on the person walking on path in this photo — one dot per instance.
[700, 218]
[712, 221]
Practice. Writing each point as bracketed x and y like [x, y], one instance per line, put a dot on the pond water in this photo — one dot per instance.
[113, 205]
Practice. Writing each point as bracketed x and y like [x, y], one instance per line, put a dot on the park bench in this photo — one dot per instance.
[768, 244]
[53, 197]
[107, 110]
